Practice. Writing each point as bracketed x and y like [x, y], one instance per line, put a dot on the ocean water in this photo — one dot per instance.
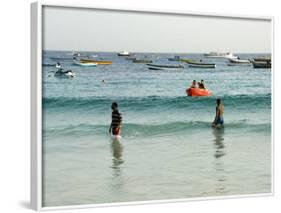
[168, 149]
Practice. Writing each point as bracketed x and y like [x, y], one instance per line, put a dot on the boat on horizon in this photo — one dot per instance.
[74, 54]
[62, 58]
[175, 58]
[227, 55]
[124, 53]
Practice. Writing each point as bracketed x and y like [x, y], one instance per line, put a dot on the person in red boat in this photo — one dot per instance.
[193, 85]
[201, 85]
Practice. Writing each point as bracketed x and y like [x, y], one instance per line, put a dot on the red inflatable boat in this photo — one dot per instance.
[198, 92]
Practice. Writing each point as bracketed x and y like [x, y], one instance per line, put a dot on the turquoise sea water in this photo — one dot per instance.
[168, 150]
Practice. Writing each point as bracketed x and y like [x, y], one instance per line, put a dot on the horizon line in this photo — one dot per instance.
[132, 52]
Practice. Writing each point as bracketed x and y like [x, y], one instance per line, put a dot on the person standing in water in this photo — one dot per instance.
[219, 114]
[115, 126]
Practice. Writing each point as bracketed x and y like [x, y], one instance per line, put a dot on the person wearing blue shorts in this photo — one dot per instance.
[218, 121]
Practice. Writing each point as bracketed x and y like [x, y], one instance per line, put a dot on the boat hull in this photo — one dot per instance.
[88, 64]
[239, 61]
[166, 66]
[155, 68]
[96, 61]
[201, 65]
[262, 65]
[194, 92]
[124, 53]
[186, 60]
[143, 61]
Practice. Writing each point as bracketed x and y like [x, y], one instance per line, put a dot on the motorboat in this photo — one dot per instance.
[85, 64]
[99, 62]
[201, 65]
[261, 64]
[167, 66]
[74, 54]
[64, 73]
[175, 58]
[227, 55]
[124, 53]
[239, 61]
[267, 59]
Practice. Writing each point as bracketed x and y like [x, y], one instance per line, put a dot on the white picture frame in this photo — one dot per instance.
[36, 97]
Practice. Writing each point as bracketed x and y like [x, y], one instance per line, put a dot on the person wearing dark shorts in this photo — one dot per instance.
[115, 126]
[218, 121]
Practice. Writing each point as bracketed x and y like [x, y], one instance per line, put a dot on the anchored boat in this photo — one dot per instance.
[99, 62]
[176, 58]
[267, 59]
[201, 65]
[261, 64]
[220, 55]
[238, 62]
[124, 53]
[88, 64]
[161, 66]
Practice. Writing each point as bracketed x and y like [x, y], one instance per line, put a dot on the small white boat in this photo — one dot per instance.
[61, 73]
[124, 53]
[88, 64]
[58, 65]
[227, 55]
[239, 61]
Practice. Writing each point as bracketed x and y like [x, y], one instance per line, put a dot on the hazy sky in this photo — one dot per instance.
[99, 30]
